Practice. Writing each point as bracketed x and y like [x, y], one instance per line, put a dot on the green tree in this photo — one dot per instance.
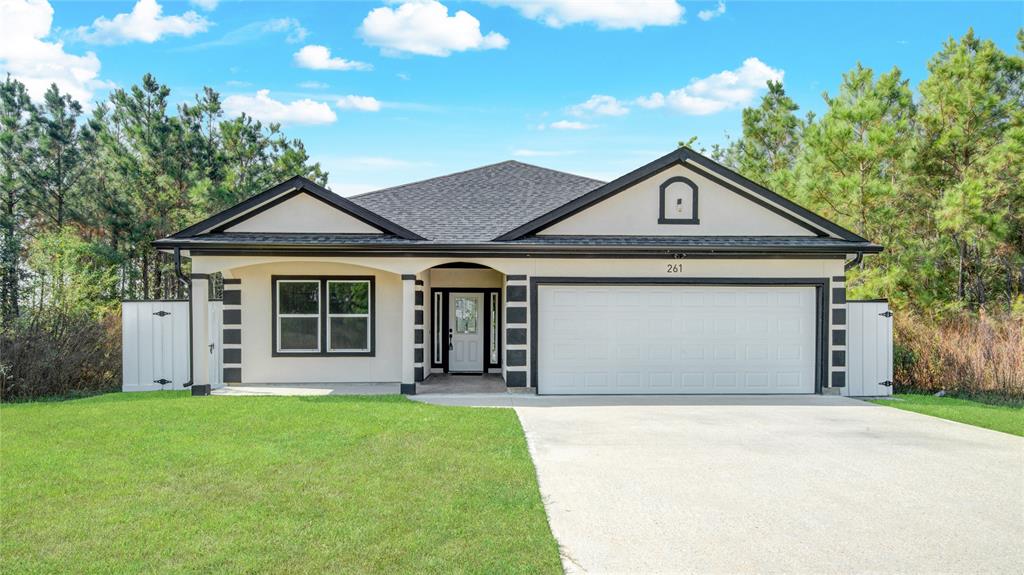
[854, 168]
[16, 130]
[969, 157]
[767, 151]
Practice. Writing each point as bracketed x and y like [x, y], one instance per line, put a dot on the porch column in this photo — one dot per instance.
[200, 296]
[409, 334]
[231, 341]
[517, 348]
[418, 339]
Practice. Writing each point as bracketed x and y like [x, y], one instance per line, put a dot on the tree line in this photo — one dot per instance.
[83, 194]
[936, 176]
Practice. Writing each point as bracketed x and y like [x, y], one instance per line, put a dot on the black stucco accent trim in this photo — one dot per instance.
[515, 358]
[693, 219]
[419, 297]
[417, 355]
[232, 375]
[408, 276]
[232, 335]
[839, 316]
[515, 278]
[839, 295]
[515, 293]
[838, 379]
[515, 378]
[418, 335]
[839, 279]
[821, 286]
[232, 355]
[229, 281]
[838, 358]
[418, 316]
[515, 314]
[515, 336]
[418, 376]
[232, 297]
[419, 282]
[408, 389]
[232, 317]
[839, 337]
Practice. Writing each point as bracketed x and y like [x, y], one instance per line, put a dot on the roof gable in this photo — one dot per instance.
[705, 168]
[300, 211]
[351, 216]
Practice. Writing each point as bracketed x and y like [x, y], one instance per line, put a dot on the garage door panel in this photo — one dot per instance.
[676, 339]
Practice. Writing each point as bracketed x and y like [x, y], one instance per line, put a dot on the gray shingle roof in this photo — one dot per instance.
[476, 205]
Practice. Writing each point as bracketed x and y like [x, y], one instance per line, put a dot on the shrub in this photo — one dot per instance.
[968, 355]
[58, 353]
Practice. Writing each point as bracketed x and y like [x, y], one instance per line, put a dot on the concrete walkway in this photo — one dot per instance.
[805, 484]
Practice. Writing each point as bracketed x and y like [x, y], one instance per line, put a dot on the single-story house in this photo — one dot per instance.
[680, 277]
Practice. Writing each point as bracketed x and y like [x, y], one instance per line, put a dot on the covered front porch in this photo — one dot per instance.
[344, 325]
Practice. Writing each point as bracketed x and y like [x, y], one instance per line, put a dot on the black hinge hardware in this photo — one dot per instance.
[886, 314]
[161, 313]
[162, 381]
[886, 383]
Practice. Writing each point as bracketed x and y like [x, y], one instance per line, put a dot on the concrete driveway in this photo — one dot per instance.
[785, 484]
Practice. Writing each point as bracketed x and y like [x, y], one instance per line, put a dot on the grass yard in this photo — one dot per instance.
[1006, 418]
[162, 482]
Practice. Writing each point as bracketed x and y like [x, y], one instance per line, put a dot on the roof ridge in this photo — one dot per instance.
[466, 171]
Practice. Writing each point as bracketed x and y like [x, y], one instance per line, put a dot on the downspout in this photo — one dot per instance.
[188, 286]
[856, 260]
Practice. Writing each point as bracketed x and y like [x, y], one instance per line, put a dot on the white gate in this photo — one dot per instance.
[155, 345]
[869, 348]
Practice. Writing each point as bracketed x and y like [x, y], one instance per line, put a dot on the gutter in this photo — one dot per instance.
[855, 261]
[188, 285]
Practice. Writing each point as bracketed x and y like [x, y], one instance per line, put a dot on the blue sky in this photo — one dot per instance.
[384, 93]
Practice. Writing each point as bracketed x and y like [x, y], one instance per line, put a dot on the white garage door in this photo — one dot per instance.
[604, 339]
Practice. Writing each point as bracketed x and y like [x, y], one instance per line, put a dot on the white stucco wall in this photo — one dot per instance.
[304, 214]
[635, 211]
[258, 364]
[255, 272]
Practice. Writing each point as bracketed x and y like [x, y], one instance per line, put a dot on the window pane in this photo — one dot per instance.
[350, 333]
[298, 297]
[298, 333]
[465, 315]
[348, 297]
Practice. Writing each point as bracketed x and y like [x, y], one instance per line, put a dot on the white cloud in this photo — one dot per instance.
[263, 107]
[369, 163]
[605, 14]
[717, 92]
[145, 23]
[25, 55]
[290, 27]
[314, 85]
[361, 103]
[706, 15]
[599, 105]
[528, 153]
[425, 27]
[317, 57]
[207, 5]
[569, 125]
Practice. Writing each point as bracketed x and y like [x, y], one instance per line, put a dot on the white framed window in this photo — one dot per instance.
[298, 315]
[494, 328]
[348, 315]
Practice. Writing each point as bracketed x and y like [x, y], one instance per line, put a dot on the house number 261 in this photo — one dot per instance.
[674, 268]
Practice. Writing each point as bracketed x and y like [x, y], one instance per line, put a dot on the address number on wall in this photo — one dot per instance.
[673, 268]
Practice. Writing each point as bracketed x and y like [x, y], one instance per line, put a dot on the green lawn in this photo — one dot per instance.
[1007, 418]
[163, 482]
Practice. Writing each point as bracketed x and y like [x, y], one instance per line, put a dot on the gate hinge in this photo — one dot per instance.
[886, 313]
[886, 383]
[162, 381]
[161, 313]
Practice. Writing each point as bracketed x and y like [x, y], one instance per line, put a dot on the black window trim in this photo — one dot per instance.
[662, 217]
[324, 318]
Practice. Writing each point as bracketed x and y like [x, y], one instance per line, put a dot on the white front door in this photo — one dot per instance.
[465, 332]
